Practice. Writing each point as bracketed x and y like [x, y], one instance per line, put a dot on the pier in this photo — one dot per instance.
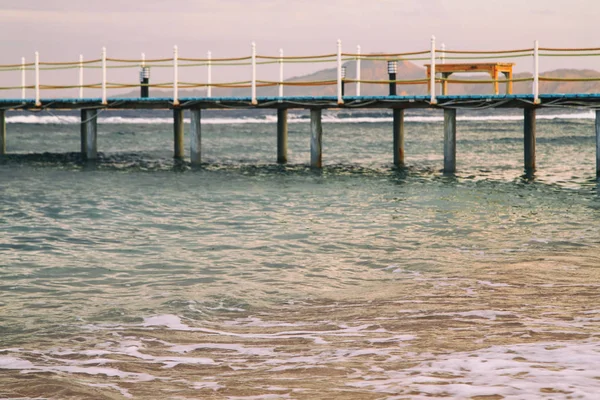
[450, 104]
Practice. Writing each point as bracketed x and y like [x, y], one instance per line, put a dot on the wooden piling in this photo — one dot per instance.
[89, 134]
[316, 138]
[2, 132]
[597, 142]
[196, 137]
[398, 129]
[450, 140]
[529, 139]
[178, 133]
[282, 135]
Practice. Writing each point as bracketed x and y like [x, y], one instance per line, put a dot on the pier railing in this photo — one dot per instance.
[100, 79]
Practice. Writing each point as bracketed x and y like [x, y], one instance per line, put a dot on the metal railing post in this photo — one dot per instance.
[81, 76]
[432, 100]
[22, 78]
[209, 77]
[104, 75]
[340, 100]
[37, 79]
[358, 70]
[254, 73]
[175, 76]
[280, 72]
[536, 73]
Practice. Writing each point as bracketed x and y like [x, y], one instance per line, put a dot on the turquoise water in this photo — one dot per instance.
[135, 277]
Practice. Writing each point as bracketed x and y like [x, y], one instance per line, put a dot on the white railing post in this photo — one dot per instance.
[443, 55]
[432, 76]
[358, 70]
[254, 73]
[280, 72]
[81, 76]
[37, 79]
[104, 75]
[209, 78]
[536, 73]
[175, 77]
[23, 78]
[340, 100]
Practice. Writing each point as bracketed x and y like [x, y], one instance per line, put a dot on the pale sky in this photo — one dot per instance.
[62, 29]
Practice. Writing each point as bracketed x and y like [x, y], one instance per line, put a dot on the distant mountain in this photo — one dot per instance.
[377, 70]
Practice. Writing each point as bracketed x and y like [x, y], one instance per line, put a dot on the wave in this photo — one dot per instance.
[270, 119]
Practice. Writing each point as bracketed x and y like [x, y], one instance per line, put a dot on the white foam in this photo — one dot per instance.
[132, 349]
[167, 320]
[397, 338]
[207, 385]
[8, 362]
[261, 397]
[486, 314]
[270, 119]
[492, 284]
[124, 392]
[524, 371]
[174, 322]
[41, 119]
[24, 366]
[253, 321]
[249, 351]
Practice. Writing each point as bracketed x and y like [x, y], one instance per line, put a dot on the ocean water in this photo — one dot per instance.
[139, 277]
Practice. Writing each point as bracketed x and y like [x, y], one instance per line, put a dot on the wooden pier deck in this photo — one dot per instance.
[590, 100]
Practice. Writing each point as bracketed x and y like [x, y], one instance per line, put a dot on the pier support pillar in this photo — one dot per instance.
[89, 134]
[449, 140]
[398, 128]
[316, 138]
[597, 142]
[178, 133]
[2, 132]
[529, 139]
[195, 137]
[282, 135]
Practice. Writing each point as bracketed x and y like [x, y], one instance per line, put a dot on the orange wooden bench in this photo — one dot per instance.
[492, 68]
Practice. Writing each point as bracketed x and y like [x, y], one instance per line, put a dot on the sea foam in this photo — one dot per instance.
[292, 119]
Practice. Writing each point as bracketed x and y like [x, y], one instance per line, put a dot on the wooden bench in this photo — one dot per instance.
[492, 68]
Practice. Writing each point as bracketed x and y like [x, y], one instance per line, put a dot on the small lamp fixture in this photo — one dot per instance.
[392, 67]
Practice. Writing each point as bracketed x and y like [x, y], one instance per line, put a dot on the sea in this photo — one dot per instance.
[138, 276]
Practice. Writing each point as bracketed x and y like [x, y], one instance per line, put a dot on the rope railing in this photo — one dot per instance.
[76, 63]
[530, 50]
[567, 49]
[387, 81]
[432, 57]
[290, 58]
[301, 83]
[367, 56]
[569, 55]
[483, 81]
[555, 79]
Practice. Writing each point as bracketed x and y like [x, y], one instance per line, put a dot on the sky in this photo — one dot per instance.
[61, 30]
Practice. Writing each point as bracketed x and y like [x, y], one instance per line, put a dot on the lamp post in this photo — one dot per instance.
[392, 70]
[144, 80]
